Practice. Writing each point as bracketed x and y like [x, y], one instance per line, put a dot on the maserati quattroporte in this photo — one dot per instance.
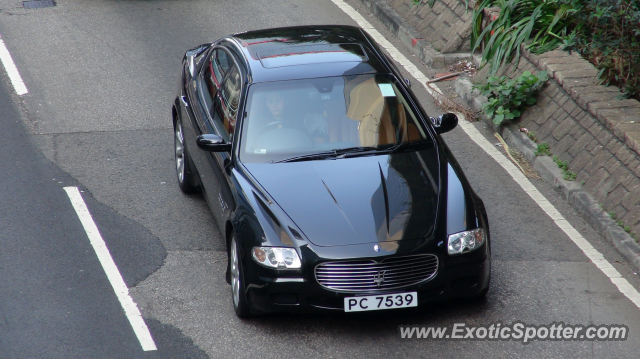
[332, 187]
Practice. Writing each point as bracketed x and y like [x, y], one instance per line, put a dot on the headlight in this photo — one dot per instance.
[278, 258]
[465, 241]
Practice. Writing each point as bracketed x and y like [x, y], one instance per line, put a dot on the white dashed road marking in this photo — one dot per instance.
[12, 70]
[596, 257]
[119, 287]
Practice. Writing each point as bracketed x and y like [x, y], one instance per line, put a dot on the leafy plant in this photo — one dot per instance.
[509, 97]
[619, 222]
[570, 176]
[543, 150]
[539, 24]
[564, 166]
[607, 33]
[532, 136]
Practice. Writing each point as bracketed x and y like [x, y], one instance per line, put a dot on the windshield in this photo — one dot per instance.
[298, 117]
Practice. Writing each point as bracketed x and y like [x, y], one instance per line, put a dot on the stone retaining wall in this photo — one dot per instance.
[584, 123]
[446, 26]
[588, 126]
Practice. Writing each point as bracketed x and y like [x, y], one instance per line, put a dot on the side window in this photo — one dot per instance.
[215, 70]
[220, 63]
[231, 97]
[220, 92]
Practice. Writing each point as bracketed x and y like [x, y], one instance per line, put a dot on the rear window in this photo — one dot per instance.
[310, 54]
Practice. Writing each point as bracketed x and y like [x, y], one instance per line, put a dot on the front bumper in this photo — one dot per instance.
[267, 293]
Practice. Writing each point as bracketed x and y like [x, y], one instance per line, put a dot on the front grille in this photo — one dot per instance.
[370, 275]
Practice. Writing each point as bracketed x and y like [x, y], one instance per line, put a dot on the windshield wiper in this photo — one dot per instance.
[342, 151]
[308, 157]
[337, 153]
[355, 152]
[365, 151]
[408, 145]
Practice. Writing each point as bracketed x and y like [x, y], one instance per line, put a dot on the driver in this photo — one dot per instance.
[276, 104]
[315, 125]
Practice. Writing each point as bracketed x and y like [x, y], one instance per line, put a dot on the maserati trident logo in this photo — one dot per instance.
[379, 278]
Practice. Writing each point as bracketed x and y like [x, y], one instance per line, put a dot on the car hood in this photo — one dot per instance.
[370, 199]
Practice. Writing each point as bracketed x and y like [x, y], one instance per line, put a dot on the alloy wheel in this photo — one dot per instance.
[235, 274]
[179, 150]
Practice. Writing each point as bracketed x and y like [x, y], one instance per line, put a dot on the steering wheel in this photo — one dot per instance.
[271, 126]
[285, 139]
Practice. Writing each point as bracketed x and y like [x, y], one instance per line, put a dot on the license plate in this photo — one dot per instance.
[379, 302]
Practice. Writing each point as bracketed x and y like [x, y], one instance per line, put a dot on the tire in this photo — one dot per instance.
[483, 293]
[238, 294]
[183, 169]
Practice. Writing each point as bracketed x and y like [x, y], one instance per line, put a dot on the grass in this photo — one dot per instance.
[619, 222]
[543, 150]
[564, 166]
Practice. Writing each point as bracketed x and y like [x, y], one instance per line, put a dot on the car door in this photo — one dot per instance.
[199, 124]
[219, 108]
[226, 116]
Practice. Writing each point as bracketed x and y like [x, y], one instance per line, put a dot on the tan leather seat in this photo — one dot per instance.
[386, 131]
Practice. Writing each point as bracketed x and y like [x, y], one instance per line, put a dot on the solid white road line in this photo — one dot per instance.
[596, 257]
[12, 70]
[113, 274]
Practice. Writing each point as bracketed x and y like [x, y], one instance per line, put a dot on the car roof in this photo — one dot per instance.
[299, 52]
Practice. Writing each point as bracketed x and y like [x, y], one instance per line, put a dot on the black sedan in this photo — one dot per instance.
[330, 184]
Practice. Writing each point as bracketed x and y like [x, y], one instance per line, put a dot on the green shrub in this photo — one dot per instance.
[543, 150]
[509, 97]
[564, 166]
[607, 33]
[532, 136]
[540, 24]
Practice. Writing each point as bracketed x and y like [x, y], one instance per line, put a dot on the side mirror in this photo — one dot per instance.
[445, 123]
[212, 143]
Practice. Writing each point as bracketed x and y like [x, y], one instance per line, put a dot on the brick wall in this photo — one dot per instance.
[446, 26]
[588, 126]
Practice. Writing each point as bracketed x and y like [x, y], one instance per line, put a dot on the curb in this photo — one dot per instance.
[409, 37]
[576, 196]
[573, 192]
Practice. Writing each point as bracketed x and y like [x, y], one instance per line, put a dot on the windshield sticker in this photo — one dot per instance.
[387, 90]
[261, 151]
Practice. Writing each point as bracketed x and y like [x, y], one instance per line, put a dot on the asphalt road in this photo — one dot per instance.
[101, 75]
[55, 298]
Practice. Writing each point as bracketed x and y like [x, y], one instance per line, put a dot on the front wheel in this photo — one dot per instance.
[185, 177]
[483, 293]
[237, 281]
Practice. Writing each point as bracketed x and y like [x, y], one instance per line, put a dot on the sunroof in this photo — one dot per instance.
[310, 54]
